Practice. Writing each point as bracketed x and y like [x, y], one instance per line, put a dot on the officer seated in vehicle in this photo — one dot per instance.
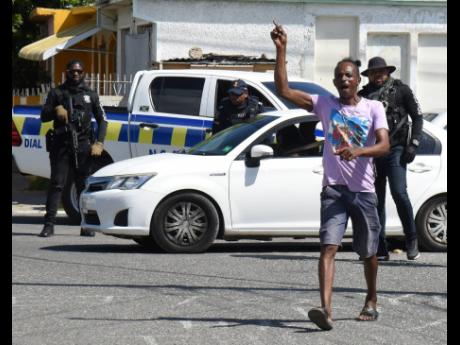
[237, 107]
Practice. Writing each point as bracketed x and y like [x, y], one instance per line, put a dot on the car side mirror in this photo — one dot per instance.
[257, 153]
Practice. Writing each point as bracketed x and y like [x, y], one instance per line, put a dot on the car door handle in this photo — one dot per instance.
[148, 125]
[419, 168]
[318, 170]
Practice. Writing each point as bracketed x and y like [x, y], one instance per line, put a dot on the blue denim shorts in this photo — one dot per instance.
[338, 204]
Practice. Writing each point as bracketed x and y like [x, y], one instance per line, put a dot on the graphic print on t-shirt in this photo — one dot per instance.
[347, 131]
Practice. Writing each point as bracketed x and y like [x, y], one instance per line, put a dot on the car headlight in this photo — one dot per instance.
[128, 181]
[94, 184]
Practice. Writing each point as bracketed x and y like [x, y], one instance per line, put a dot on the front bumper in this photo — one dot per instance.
[104, 206]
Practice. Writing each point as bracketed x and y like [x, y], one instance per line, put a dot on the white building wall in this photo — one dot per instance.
[243, 28]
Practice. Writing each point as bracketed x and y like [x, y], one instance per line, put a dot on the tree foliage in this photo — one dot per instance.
[26, 73]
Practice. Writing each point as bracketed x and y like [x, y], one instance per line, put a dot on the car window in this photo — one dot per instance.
[177, 95]
[429, 145]
[224, 85]
[295, 139]
[310, 88]
[225, 141]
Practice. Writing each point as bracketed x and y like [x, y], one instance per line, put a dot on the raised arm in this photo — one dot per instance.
[299, 98]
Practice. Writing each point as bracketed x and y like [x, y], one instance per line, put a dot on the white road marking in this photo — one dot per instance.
[149, 340]
[188, 300]
[108, 299]
[13, 300]
[395, 300]
[186, 324]
[429, 325]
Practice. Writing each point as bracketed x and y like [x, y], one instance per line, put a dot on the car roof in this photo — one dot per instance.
[255, 76]
[290, 113]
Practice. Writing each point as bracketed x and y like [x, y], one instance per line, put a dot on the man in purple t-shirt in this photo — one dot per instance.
[355, 130]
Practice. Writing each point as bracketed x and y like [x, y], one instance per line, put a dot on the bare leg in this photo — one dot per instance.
[370, 272]
[326, 272]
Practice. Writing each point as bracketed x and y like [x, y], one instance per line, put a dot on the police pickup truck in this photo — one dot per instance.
[167, 111]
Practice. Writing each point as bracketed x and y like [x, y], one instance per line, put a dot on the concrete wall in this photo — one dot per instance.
[243, 28]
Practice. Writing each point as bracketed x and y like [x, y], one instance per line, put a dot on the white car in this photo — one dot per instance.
[437, 117]
[248, 181]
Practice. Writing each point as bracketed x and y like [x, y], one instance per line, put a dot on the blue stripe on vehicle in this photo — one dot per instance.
[123, 136]
[31, 126]
[117, 116]
[29, 110]
[168, 119]
[134, 134]
[162, 136]
[171, 120]
[193, 137]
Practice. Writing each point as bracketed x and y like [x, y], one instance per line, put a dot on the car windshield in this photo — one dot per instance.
[310, 88]
[226, 140]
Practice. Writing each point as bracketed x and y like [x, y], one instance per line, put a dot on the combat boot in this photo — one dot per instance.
[412, 249]
[48, 230]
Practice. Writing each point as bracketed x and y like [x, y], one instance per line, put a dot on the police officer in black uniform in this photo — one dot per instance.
[237, 107]
[71, 142]
[399, 103]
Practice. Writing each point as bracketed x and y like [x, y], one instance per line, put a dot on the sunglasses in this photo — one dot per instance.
[73, 71]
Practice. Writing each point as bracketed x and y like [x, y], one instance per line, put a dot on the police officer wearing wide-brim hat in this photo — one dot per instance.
[400, 103]
[237, 107]
[378, 63]
[70, 106]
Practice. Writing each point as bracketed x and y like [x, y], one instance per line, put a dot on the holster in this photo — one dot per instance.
[50, 139]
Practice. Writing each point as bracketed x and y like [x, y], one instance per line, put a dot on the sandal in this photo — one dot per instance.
[369, 311]
[319, 317]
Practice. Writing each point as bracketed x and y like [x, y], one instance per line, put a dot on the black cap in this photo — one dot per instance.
[377, 63]
[238, 87]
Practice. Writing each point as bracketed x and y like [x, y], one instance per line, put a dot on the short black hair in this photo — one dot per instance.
[74, 62]
[356, 63]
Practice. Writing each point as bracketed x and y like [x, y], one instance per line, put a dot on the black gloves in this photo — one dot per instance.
[408, 154]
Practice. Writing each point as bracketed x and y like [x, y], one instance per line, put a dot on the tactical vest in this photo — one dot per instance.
[81, 115]
[395, 113]
[251, 110]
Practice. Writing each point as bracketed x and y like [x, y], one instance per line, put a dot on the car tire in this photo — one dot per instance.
[185, 223]
[69, 194]
[431, 224]
[70, 202]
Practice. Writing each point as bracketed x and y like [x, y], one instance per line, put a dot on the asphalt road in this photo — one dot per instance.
[102, 290]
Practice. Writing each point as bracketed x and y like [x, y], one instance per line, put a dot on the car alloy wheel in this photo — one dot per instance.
[436, 223]
[431, 224]
[185, 223]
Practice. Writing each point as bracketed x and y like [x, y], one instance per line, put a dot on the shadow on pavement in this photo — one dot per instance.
[38, 220]
[224, 322]
[275, 287]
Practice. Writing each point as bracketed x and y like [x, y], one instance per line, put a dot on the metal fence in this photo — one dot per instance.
[33, 91]
[108, 84]
[103, 84]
